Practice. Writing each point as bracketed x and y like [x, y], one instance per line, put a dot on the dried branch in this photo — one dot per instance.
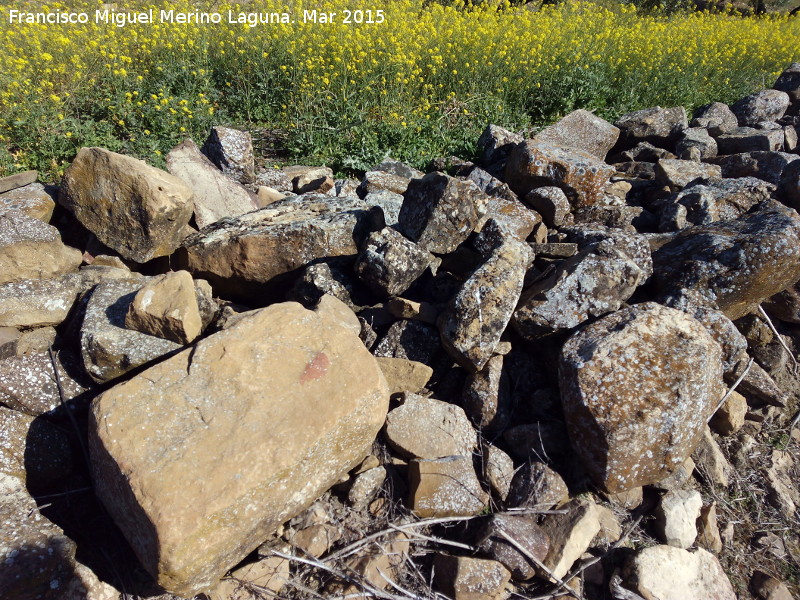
[733, 388]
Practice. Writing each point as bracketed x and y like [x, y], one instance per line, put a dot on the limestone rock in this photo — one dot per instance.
[32, 249]
[676, 517]
[710, 462]
[493, 541]
[27, 383]
[748, 139]
[378, 181]
[511, 216]
[766, 105]
[498, 469]
[389, 263]
[427, 428]
[594, 282]
[780, 490]
[696, 142]
[32, 200]
[668, 573]
[658, 126]
[445, 487]
[9, 339]
[265, 196]
[477, 316]
[389, 202]
[232, 151]
[551, 202]
[388, 558]
[570, 535]
[243, 253]
[496, 143]
[465, 578]
[365, 486]
[214, 195]
[39, 302]
[439, 212]
[17, 180]
[404, 375]
[131, 207]
[409, 339]
[716, 117]
[635, 412]
[166, 307]
[325, 278]
[680, 173]
[582, 176]
[582, 131]
[724, 200]
[487, 398]
[645, 152]
[709, 536]
[732, 265]
[310, 179]
[196, 485]
[108, 348]
[537, 486]
[730, 416]
[398, 168]
[768, 166]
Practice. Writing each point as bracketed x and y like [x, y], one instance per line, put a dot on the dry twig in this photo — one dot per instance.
[733, 387]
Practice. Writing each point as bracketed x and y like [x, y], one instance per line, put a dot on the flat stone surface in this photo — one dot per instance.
[765, 105]
[717, 117]
[389, 263]
[570, 535]
[748, 139]
[232, 151]
[465, 578]
[403, 375]
[445, 487]
[196, 483]
[17, 180]
[31, 200]
[583, 131]
[635, 411]
[658, 126]
[131, 207]
[39, 302]
[166, 307]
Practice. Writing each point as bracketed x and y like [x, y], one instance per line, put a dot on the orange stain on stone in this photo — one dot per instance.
[316, 368]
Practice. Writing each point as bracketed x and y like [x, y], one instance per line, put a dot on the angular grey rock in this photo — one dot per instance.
[410, 339]
[722, 200]
[17, 180]
[710, 462]
[381, 181]
[645, 152]
[496, 143]
[537, 486]
[241, 255]
[32, 249]
[594, 282]
[766, 105]
[677, 173]
[489, 184]
[32, 200]
[696, 138]
[789, 186]
[487, 396]
[275, 179]
[325, 277]
[439, 212]
[768, 166]
[27, 383]
[732, 265]
[108, 348]
[716, 117]
[427, 428]
[215, 195]
[747, 139]
[512, 216]
[39, 302]
[551, 202]
[789, 82]
[581, 175]
[493, 542]
[472, 324]
[635, 411]
[133, 208]
[232, 151]
[389, 202]
[676, 517]
[498, 469]
[389, 263]
[668, 573]
[395, 167]
[582, 131]
[658, 126]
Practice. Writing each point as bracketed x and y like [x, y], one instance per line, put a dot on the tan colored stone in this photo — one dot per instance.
[404, 375]
[629, 499]
[36, 340]
[31, 199]
[379, 561]
[766, 587]
[9, 338]
[17, 180]
[466, 578]
[511, 540]
[214, 195]
[166, 307]
[199, 458]
[610, 528]
[131, 207]
[31, 249]
[248, 582]
[445, 487]
[403, 308]
[709, 536]
[637, 388]
[428, 428]
[331, 307]
[267, 195]
[709, 460]
[315, 539]
[537, 486]
[498, 468]
[310, 179]
[780, 488]
[570, 534]
[583, 131]
[730, 416]
[39, 302]
[676, 517]
[365, 486]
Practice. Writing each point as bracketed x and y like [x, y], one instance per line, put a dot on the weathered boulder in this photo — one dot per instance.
[487, 398]
[32, 200]
[581, 130]
[551, 202]
[379, 181]
[17, 180]
[410, 339]
[747, 139]
[766, 587]
[498, 469]
[232, 151]
[592, 283]
[537, 486]
[571, 534]
[32, 249]
[493, 541]
[496, 143]
[789, 82]
[214, 195]
[638, 387]
[696, 144]
[398, 168]
[427, 428]
[668, 573]
[581, 175]
[404, 375]
[677, 173]
[241, 254]
[389, 263]
[389, 202]
[716, 117]
[195, 485]
[768, 166]
[39, 302]
[789, 186]
[724, 200]
[166, 307]
[645, 152]
[732, 265]
[465, 578]
[659, 126]
[676, 517]
[445, 487]
[133, 208]
[439, 212]
[512, 216]
[473, 322]
[311, 179]
[766, 105]
[109, 349]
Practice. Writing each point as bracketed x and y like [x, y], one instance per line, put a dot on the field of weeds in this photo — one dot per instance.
[416, 81]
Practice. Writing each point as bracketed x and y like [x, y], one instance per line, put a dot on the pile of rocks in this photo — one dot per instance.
[537, 340]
